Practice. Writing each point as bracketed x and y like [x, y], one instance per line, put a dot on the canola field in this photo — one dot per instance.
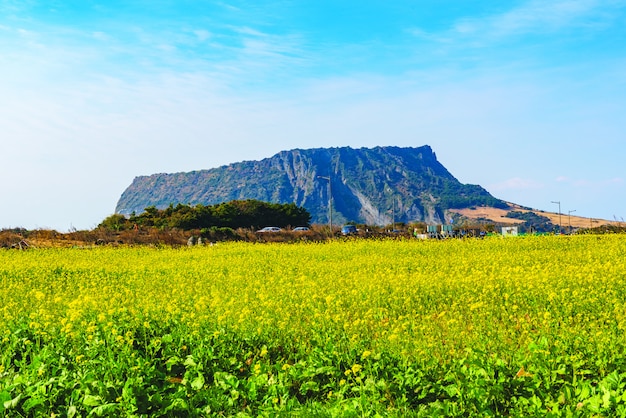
[526, 326]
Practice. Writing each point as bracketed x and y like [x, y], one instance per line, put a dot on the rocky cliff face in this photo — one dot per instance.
[369, 185]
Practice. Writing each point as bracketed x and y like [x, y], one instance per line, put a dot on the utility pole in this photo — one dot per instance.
[559, 203]
[330, 203]
[393, 209]
[393, 214]
[569, 219]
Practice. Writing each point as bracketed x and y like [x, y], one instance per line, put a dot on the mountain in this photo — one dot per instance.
[374, 186]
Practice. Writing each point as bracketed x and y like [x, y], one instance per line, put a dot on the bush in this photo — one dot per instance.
[218, 233]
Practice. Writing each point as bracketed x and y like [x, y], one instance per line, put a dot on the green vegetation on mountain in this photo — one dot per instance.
[369, 185]
[532, 221]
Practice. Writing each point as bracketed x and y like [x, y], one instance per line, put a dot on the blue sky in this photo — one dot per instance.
[526, 98]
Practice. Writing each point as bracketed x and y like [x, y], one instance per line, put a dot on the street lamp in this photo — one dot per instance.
[559, 203]
[569, 219]
[330, 203]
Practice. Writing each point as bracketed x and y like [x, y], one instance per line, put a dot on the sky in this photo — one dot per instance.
[526, 98]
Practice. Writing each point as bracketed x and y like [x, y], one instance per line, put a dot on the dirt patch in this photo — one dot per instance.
[499, 216]
[493, 214]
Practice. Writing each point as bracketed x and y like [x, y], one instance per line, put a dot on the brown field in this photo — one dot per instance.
[499, 216]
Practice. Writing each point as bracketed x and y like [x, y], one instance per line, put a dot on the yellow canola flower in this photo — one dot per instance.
[417, 300]
[476, 305]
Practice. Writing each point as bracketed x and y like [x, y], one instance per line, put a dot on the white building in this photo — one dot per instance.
[509, 231]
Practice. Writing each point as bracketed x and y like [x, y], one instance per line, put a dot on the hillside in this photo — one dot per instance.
[502, 216]
[369, 185]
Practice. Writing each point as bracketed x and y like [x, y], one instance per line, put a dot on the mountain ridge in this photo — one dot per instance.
[369, 185]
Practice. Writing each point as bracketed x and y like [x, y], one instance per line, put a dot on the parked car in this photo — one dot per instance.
[348, 230]
[301, 229]
[270, 229]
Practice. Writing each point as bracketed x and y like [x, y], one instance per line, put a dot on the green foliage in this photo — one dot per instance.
[231, 215]
[455, 195]
[527, 216]
[217, 233]
[115, 222]
[532, 221]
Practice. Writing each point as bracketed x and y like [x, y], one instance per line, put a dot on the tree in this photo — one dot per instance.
[234, 214]
[115, 222]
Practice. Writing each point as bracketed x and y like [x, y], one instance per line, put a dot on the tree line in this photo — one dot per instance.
[235, 214]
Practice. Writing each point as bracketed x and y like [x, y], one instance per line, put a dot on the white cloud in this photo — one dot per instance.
[202, 34]
[428, 36]
[101, 36]
[245, 30]
[537, 17]
[516, 183]
[591, 184]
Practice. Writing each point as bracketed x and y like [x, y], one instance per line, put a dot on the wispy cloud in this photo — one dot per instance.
[590, 184]
[202, 34]
[539, 16]
[13, 6]
[516, 183]
[534, 17]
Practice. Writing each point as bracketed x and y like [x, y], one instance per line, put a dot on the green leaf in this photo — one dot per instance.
[584, 392]
[172, 361]
[32, 403]
[198, 382]
[71, 411]
[325, 370]
[10, 404]
[309, 386]
[594, 404]
[177, 405]
[106, 409]
[190, 362]
[92, 400]
[452, 390]
[4, 397]
[606, 398]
